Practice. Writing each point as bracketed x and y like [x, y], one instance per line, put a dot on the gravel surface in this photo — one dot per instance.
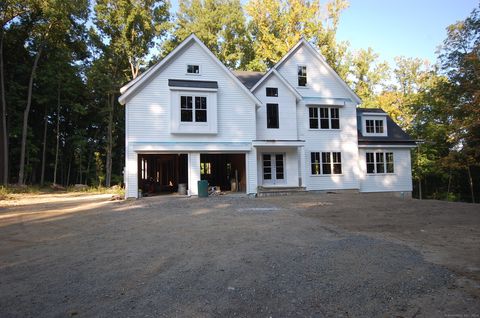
[218, 257]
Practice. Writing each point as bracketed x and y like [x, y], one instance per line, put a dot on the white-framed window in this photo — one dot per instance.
[193, 109]
[326, 163]
[321, 117]
[193, 69]
[374, 126]
[380, 162]
[302, 75]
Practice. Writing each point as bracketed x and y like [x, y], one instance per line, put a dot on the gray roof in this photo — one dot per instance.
[248, 78]
[190, 83]
[395, 136]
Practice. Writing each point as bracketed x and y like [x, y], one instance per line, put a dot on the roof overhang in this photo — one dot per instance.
[278, 143]
[131, 88]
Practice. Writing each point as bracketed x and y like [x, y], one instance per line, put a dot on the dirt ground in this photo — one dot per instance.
[306, 255]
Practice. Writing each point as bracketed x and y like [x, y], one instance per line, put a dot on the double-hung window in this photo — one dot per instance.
[326, 163]
[379, 162]
[324, 117]
[272, 116]
[193, 112]
[302, 75]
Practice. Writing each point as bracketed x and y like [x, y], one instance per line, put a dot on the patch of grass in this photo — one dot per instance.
[98, 190]
[9, 192]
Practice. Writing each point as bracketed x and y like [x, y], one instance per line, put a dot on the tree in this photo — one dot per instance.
[460, 62]
[131, 27]
[276, 26]
[9, 11]
[51, 20]
[220, 24]
[368, 75]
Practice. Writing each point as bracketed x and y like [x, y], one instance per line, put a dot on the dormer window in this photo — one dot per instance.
[374, 124]
[193, 69]
[302, 76]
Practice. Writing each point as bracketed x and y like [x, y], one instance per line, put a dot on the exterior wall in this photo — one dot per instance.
[343, 140]
[287, 105]
[401, 180]
[291, 168]
[320, 83]
[148, 114]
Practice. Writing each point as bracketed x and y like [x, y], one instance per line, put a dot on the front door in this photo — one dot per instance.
[273, 168]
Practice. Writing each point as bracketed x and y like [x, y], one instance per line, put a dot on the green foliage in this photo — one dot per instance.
[220, 24]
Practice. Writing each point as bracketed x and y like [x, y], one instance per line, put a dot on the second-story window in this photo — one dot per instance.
[272, 91]
[374, 126]
[272, 116]
[193, 69]
[324, 118]
[188, 109]
[302, 75]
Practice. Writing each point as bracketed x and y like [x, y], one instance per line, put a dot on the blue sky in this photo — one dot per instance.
[412, 28]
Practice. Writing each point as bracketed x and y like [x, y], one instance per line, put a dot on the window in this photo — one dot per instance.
[324, 117]
[379, 162]
[313, 113]
[272, 91]
[374, 126]
[205, 168]
[302, 76]
[187, 110]
[272, 115]
[193, 69]
[331, 163]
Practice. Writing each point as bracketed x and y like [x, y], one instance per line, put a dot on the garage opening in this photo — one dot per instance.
[224, 171]
[162, 173]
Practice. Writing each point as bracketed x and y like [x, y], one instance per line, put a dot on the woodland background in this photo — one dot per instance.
[62, 63]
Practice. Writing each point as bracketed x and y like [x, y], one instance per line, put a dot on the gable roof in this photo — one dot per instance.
[273, 71]
[322, 60]
[396, 135]
[132, 87]
[248, 78]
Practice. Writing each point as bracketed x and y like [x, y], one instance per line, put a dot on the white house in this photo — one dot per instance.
[295, 127]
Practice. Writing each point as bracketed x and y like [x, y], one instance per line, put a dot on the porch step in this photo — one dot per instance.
[277, 191]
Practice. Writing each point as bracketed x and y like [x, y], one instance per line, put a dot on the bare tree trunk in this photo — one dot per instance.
[470, 181]
[4, 114]
[108, 165]
[42, 175]
[419, 188]
[58, 136]
[25, 118]
[68, 173]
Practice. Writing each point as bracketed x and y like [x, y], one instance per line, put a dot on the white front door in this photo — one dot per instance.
[273, 168]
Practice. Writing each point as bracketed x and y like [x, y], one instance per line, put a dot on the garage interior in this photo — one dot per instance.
[223, 171]
[162, 173]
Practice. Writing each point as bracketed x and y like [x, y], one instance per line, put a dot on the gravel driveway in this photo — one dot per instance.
[218, 257]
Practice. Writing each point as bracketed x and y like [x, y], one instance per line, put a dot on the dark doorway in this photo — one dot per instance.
[226, 171]
[162, 173]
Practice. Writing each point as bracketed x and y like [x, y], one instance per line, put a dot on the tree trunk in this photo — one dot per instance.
[108, 165]
[470, 181]
[58, 136]
[25, 118]
[68, 173]
[419, 188]
[42, 175]
[4, 114]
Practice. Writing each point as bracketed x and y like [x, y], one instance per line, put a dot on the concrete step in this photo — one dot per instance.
[278, 191]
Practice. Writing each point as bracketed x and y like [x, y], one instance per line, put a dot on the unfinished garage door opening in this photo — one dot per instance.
[162, 173]
[224, 171]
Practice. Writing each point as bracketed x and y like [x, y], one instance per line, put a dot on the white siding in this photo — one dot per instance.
[148, 112]
[287, 105]
[401, 180]
[320, 82]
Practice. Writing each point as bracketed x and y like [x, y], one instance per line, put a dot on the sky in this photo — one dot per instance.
[412, 28]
